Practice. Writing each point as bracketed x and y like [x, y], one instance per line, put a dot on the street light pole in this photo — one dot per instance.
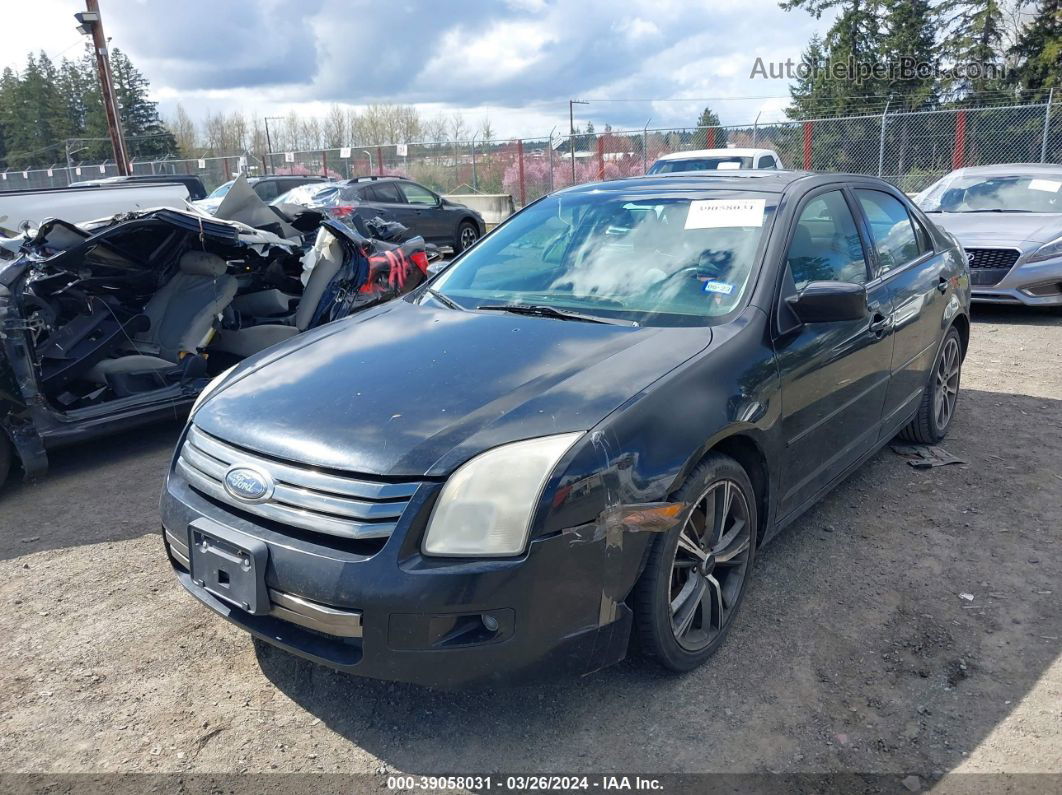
[91, 23]
[571, 130]
[269, 144]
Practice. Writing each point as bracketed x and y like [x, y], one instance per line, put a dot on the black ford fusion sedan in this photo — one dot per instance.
[583, 429]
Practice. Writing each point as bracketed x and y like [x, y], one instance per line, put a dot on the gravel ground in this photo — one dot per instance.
[856, 649]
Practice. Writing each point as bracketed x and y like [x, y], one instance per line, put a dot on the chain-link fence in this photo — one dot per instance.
[909, 148]
[212, 170]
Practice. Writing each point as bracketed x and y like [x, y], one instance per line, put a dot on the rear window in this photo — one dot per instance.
[385, 192]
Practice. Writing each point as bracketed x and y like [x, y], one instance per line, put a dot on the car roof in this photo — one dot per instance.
[1002, 169]
[765, 180]
[734, 152]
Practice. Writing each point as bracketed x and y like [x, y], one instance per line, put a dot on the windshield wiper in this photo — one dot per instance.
[442, 299]
[995, 210]
[542, 310]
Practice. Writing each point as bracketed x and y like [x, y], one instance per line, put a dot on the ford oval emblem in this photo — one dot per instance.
[248, 484]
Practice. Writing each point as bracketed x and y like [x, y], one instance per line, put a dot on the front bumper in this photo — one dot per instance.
[393, 614]
[1027, 284]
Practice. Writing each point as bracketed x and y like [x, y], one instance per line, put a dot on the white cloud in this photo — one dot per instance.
[517, 62]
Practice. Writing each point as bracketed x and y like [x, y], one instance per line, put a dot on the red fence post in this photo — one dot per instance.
[324, 162]
[808, 128]
[520, 169]
[709, 142]
[228, 171]
[601, 159]
[379, 161]
[958, 155]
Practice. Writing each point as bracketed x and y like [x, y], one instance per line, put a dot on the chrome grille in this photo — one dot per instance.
[302, 497]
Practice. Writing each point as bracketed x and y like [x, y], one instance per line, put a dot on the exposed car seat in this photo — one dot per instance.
[182, 315]
[323, 262]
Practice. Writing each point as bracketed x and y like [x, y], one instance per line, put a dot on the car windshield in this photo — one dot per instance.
[1028, 193]
[221, 190]
[700, 164]
[683, 259]
[311, 195]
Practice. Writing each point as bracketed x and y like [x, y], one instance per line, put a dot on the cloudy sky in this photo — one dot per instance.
[514, 61]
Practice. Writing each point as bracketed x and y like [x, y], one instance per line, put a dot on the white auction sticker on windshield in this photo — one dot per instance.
[716, 213]
[1048, 185]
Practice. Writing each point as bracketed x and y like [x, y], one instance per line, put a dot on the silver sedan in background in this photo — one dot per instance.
[1008, 218]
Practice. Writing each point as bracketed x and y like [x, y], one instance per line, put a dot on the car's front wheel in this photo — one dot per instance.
[467, 234]
[941, 397]
[697, 573]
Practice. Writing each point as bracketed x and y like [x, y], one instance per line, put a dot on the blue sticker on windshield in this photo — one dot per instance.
[723, 288]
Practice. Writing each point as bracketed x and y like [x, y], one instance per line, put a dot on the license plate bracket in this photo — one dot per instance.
[229, 565]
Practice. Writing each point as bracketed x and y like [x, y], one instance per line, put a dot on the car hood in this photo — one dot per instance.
[1000, 228]
[406, 389]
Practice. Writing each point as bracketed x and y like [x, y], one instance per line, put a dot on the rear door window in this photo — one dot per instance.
[384, 193]
[267, 191]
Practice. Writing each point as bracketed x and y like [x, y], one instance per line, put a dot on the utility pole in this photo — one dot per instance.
[571, 130]
[90, 23]
[269, 144]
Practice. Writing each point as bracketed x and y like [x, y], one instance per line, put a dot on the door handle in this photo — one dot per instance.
[942, 285]
[879, 324]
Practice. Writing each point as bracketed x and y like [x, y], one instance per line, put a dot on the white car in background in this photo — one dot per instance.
[716, 160]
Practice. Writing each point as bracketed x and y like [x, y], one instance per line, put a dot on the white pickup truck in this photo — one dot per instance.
[20, 209]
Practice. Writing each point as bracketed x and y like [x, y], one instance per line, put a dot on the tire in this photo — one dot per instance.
[467, 234]
[937, 409]
[6, 454]
[686, 599]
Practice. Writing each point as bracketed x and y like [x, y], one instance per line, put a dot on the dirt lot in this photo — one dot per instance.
[856, 649]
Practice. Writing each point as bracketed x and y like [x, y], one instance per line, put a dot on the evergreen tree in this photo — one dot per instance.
[973, 37]
[1038, 49]
[907, 44]
[144, 131]
[812, 97]
[852, 45]
[709, 118]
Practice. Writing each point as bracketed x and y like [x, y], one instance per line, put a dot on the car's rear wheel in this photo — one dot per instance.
[467, 234]
[697, 573]
[941, 397]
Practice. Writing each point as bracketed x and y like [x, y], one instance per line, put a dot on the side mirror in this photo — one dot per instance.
[830, 302]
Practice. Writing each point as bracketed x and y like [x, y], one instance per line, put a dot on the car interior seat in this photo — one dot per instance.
[326, 260]
[181, 314]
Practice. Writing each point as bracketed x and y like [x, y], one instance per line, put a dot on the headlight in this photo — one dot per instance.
[486, 506]
[1046, 251]
[214, 384]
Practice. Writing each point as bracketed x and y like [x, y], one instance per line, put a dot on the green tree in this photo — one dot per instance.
[710, 119]
[145, 133]
[973, 37]
[909, 43]
[811, 94]
[1038, 50]
[853, 44]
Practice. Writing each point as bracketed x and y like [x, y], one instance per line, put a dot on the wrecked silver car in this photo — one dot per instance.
[120, 322]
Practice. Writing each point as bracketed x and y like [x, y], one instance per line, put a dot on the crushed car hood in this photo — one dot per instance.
[1000, 228]
[408, 390]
